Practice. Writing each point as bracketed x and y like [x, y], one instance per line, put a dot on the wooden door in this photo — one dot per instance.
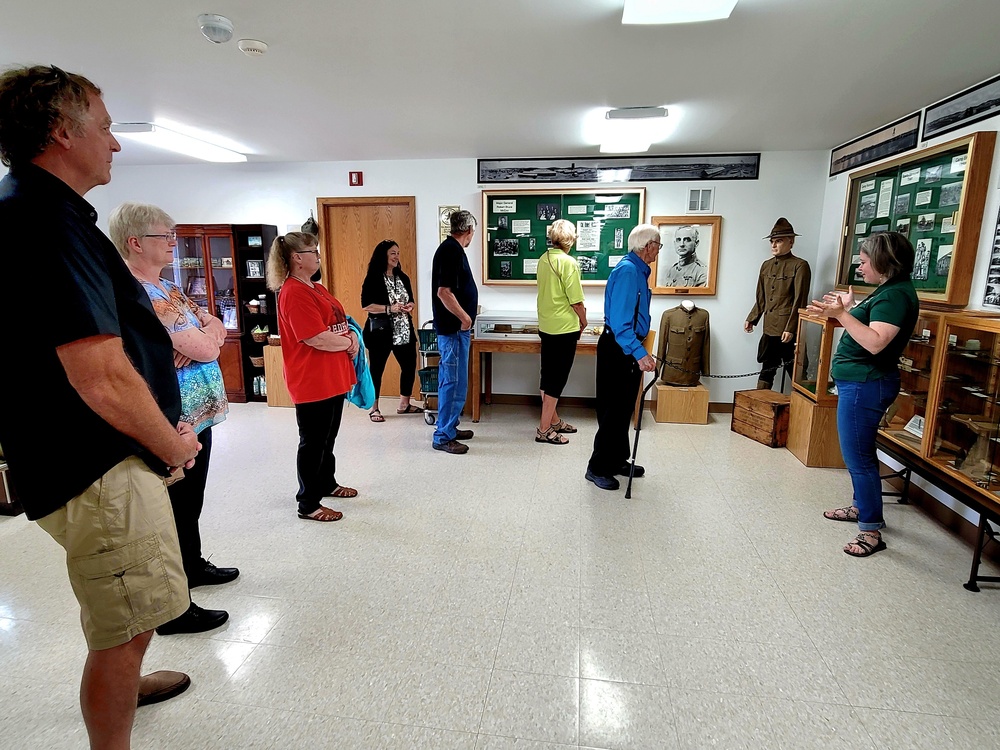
[350, 228]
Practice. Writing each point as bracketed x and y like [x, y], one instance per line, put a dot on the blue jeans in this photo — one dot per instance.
[860, 407]
[453, 383]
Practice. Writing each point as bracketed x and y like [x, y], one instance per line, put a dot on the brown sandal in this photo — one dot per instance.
[864, 542]
[410, 409]
[848, 513]
[550, 436]
[563, 426]
[322, 514]
[376, 416]
[341, 491]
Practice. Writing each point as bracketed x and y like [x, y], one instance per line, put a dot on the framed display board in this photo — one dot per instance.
[688, 263]
[936, 198]
[516, 222]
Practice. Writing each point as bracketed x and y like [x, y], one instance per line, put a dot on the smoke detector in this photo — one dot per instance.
[252, 47]
[216, 29]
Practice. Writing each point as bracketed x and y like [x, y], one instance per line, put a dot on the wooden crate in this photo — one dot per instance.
[681, 404]
[812, 433]
[762, 416]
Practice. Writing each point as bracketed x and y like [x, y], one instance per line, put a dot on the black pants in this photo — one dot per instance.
[618, 379]
[319, 423]
[187, 497]
[379, 348]
[771, 353]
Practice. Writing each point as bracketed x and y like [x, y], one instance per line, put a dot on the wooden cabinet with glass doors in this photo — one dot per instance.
[203, 268]
[962, 425]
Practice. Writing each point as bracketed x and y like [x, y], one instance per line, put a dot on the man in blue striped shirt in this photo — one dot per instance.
[621, 359]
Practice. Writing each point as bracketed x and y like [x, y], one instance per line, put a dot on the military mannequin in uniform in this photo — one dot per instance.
[684, 344]
[782, 288]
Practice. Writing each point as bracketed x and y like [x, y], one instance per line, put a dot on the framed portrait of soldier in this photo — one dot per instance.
[688, 262]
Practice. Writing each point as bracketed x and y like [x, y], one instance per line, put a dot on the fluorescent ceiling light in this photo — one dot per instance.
[635, 113]
[160, 137]
[625, 143]
[633, 130]
[676, 11]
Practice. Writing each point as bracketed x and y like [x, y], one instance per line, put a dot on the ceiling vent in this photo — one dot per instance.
[253, 47]
[216, 29]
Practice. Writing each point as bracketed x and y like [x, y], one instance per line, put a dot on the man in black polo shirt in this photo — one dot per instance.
[455, 301]
[89, 417]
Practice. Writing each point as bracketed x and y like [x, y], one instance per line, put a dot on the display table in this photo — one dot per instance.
[481, 363]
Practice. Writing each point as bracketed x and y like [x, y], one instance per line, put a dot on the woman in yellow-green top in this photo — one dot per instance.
[561, 319]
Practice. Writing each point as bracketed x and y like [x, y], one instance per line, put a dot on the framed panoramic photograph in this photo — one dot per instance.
[688, 263]
[255, 269]
[964, 108]
[894, 138]
[622, 168]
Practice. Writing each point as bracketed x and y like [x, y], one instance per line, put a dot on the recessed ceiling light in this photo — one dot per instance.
[170, 140]
[676, 11]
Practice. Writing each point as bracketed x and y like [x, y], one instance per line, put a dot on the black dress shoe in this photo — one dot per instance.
[195, 620]
[464, 434]
[210, 575]
[605, 483]
[624, 470]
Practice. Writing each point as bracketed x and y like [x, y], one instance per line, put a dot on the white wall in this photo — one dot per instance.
[791, 184]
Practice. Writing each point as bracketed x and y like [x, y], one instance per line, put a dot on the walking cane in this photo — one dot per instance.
[638, 429]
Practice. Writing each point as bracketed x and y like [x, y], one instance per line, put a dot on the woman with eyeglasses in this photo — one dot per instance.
[387, 297]
[146, 239]
[318, 350]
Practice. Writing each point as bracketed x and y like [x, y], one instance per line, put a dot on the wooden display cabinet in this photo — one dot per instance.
[936, 198]
[812, 421]
[963, 424]
[210, 266]
[252, 244]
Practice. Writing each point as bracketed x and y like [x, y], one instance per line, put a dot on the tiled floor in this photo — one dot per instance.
[498, 601]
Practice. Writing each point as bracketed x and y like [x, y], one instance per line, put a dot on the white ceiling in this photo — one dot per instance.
[402, 79]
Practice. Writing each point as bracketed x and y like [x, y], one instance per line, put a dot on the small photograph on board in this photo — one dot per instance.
[943, 263]
[867, 208]
[255, 269]
[507, 247]
[933, 174]
[902, 204]
[531, 244]
[924, 198]
[588, 263]
[925, 222]
[617, 211]
[910, 177]
[548, 211]
[950, 194]
[922, 259]
[619, 238]
[506, 269]
[503, 222]
[947, 225]
[903, 227]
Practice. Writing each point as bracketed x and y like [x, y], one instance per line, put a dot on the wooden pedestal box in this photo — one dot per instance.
[681, 404]
[762, 416]
[274, 373]
[812, 433]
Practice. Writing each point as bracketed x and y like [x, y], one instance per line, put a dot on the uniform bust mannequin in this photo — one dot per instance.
[684, 344]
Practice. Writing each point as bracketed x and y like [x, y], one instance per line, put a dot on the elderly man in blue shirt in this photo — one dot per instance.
[621, 359]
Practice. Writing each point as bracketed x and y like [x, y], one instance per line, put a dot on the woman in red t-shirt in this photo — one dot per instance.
[318, 350]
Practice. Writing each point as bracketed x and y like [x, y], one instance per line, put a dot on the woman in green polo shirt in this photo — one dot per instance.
[866, 371]
[561, 319]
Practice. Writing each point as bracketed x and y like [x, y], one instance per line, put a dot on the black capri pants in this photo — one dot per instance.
[558, 352]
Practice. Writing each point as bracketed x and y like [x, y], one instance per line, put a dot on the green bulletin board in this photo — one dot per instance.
[516, 221]
[921, 200]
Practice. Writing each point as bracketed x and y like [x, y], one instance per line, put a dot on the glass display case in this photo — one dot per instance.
[816, 340]
[904, 421]
[965, 422]
[523, 326]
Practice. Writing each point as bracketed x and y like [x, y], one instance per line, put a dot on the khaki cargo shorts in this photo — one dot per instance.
[122, 554]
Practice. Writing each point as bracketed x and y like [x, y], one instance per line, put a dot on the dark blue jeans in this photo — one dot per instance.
[860, 407]
[453, 383]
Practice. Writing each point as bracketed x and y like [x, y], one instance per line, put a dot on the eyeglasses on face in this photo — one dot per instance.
[308, 252]
[168, 236]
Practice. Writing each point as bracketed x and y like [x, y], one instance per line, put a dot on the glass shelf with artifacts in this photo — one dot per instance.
[816, 341]
[963, 417]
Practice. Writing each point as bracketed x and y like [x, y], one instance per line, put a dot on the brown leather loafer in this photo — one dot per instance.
[157, 687]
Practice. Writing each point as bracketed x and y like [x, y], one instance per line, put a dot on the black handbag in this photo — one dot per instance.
[378, 323]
